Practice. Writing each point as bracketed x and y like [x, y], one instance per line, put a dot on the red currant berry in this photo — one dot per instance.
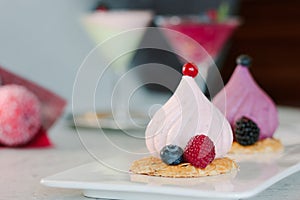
[190, 69]
[102, 7]
[212, 15]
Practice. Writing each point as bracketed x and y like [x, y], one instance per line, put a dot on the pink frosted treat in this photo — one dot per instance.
[186, 114]
[19, 115]
[242, 97]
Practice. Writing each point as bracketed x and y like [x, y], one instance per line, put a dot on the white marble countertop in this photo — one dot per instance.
[22, 169]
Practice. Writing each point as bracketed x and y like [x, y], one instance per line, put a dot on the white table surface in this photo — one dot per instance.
[22, 169]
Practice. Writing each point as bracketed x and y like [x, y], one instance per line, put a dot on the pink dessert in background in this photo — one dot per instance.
[242, 97]
[211, 36]
[20, 115]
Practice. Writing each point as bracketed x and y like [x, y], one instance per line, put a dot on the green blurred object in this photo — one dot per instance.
[223, 12]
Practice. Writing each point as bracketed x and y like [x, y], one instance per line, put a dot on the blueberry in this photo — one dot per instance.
[171, 154]
[244, 60]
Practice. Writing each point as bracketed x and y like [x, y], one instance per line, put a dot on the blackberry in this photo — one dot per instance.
[246, 131]
[171, 154]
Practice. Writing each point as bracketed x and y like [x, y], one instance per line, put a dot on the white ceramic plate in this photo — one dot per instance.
[257, 172]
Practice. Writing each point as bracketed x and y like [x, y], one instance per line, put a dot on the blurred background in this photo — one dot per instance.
[45, 42]
[271, 35]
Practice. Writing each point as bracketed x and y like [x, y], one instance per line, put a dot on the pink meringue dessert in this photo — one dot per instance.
[188, 136]
[251, 113]
[188, 113]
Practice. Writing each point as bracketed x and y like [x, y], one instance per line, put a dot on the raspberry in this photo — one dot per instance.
[171, 154]
[200, 151]
[246, 131]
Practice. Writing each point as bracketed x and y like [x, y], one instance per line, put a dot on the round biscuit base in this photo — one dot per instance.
[153, 166]
[268, 145]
